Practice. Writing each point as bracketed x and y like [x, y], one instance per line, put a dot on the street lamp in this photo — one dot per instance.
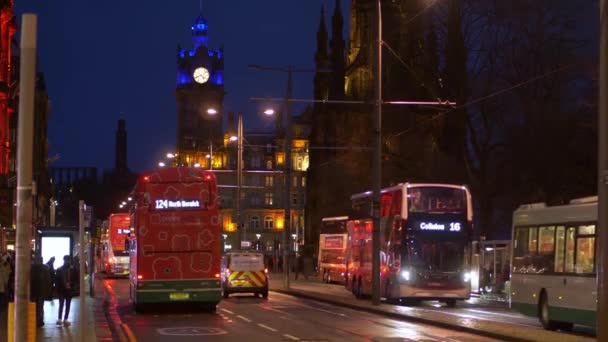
[161, 164]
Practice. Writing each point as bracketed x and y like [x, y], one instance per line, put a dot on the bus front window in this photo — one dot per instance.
[441, 256]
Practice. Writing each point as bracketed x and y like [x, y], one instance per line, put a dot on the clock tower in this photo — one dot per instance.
[199, 96]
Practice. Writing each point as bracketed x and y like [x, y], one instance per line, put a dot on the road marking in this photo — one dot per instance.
[329, 312]
[266, 327]
[291, 337]
[244, 318]
[129, 333]
[228, 311]
[191, 331]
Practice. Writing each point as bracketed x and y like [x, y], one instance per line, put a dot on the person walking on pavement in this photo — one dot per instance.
[299, 265]
[4, 275]
[40, 287]
[51, 266]
[65, 284]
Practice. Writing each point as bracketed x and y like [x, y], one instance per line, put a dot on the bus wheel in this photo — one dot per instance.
[543, 313]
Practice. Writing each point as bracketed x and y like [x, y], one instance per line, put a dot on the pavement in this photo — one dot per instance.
[95, 328]
[312, 288]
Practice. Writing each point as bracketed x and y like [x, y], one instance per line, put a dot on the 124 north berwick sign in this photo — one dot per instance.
[169, 204]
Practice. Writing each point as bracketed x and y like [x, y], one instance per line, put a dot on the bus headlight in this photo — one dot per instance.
[466, 276]
[406, 275]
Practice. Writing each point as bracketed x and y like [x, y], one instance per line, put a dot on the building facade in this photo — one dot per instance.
[202, 142]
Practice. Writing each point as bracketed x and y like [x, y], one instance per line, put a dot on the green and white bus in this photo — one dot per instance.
[553, 268]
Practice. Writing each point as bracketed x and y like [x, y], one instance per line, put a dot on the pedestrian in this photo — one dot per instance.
[51, 266]
[40, 287]
[64, 285]
[4, 275]
[299, 265]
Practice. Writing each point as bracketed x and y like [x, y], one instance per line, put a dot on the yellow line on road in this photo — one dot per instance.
[129, 333]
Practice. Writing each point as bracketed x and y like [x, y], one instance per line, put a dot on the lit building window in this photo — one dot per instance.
[269, 181]
[300, 163]
[295, 181]
[268, 222]
[268, 198]
[269, 164]
[254, 222]
[303, 181]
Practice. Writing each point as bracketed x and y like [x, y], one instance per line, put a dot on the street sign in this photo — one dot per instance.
[245, 244]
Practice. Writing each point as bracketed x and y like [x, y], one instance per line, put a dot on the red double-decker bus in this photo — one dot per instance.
[175, 249]
[115, 256]
[426, 232]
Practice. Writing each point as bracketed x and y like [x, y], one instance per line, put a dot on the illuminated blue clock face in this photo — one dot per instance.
[200, 75]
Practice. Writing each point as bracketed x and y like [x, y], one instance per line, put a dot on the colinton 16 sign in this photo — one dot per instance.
[168, 204]
[453, 226]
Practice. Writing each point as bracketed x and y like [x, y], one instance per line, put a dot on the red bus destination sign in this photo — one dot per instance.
[169, 204]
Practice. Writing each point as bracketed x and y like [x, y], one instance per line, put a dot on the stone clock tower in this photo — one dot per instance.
[199, 95]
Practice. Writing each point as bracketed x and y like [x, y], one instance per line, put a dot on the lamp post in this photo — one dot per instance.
[602, 274]
[239, 175]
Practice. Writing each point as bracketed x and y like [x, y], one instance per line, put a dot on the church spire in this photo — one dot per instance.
[321, 54]
[321, 84]
[337, 56]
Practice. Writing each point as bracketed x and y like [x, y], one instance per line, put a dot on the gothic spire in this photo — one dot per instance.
[337, 56]
[321, 54]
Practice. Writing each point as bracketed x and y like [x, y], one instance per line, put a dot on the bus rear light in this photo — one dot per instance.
[140, 277]
[266, 271]
[146, 178]
[208, 177]
[217, 275]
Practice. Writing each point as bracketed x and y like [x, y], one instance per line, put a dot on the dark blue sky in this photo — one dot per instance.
[106, 60]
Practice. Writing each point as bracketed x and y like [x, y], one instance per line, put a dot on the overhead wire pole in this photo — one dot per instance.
[25, 141]
[239, 175]
[377, 162]
[287, 223]
[602, 274]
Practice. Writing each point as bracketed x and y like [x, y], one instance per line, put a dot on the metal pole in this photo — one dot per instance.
[602, 274]
[25, 139]
[239, 175]
[81, 261]
[287, 228]
[211, 155]
[377, 167]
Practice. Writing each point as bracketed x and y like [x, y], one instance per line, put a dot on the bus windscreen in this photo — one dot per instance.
[440, 200]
